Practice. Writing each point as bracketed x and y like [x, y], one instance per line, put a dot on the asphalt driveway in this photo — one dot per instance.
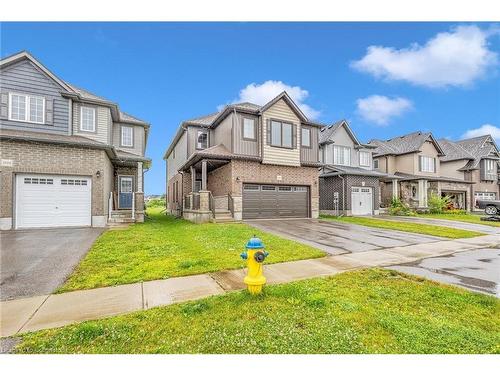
[477, 270]
[37, 262]
[340, 238]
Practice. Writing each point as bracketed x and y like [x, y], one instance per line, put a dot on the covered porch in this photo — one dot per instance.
[126, 196]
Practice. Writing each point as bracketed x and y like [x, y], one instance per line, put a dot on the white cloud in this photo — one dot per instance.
[454, 58]
[381, 109]
[263, 93]
[485, 129]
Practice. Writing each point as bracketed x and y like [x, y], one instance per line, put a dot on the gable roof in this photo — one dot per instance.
[326, 133]
[453, 151]
[404, 144]
[213, 119]
[480, 148]
[71, 90]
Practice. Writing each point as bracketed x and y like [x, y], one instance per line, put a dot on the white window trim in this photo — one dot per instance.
[131, 136]
[369, 159]
[81, 119]
[199, 146]
[343, 148]
[27, 99]
[432, 164]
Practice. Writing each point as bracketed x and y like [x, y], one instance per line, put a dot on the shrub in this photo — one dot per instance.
[438, 204]
[400, 208]
[156, 202]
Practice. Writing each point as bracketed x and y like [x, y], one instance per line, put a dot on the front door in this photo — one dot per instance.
[125, 194]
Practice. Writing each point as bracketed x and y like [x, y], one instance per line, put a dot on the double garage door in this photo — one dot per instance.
[275, 201]
[52, 201]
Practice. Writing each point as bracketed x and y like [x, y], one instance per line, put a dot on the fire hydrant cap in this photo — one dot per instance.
[254, 243]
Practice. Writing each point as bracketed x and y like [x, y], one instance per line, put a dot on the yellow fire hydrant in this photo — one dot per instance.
[255, 256]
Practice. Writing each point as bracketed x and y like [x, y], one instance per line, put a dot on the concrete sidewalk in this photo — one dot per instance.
[56, 310]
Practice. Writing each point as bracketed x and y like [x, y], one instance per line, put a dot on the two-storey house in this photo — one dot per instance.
[475, 160]
[415, 159]
[68, 157]
[348, 183]
[245, 162]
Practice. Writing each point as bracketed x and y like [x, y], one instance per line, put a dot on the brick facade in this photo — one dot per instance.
[30, 157]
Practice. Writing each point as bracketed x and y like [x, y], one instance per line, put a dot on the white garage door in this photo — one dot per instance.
[52, 201]
[362, 201]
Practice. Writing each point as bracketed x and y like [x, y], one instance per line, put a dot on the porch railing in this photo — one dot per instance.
[196, 201]
[187, 202]
[133, 205]
[110, 205]
[211, 203]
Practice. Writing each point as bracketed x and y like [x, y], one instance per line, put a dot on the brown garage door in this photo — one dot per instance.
[272, 201]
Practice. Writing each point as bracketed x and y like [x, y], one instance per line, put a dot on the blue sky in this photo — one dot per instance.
[439, 77]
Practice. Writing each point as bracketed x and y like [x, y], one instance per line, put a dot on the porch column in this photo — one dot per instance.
[139, 176]
[422, 193]
[395, 194]
[204, 175]
[193, 178]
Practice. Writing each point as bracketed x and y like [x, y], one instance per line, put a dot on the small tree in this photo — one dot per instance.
[437, 204]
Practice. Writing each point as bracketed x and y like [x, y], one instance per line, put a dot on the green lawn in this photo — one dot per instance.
[165, 247]
[433, 230]
[467, 218]
[368, 311]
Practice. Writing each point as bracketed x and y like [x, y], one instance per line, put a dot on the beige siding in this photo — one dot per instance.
[406, 163]
[103, 123]
[451, 169]
[138, 148]
[427, 149]
[180, 148]
[276, 155]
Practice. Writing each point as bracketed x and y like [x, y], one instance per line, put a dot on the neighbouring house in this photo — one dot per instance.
[475, 160]
[415, 160]
[68, 157]
[246, 161]
[348, 184]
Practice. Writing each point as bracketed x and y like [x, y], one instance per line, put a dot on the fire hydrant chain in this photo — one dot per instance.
[255, 256]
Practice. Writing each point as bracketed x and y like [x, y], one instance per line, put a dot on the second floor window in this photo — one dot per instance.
[341, 155]
[27, 108]
[87, 120]
[201, 140]
[127, 136]
[364, 159]
[249, 129]
[490, 169]
[305, 139]
[375, 164]
[281, 134]
[427, 164]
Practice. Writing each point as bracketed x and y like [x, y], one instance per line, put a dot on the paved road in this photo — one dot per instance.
[477, 270]
[36, 262]
[340, 238]
[445, 223]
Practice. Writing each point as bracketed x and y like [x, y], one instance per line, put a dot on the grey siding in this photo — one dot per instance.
[310, 154]
[173, 163]
[25, 78]
[103, 123]
[221, 135]
[242, 146]
[138, 133]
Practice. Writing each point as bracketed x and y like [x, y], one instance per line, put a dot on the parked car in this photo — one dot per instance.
[490, 207]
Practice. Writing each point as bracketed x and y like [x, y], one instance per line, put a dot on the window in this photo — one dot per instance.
[489, 169]
[249, 129]
[27, 108]
[364, 159]
[484, 195]
[73, 182]
[375, 164]
[427, 164]
[305, 137]
[281, 134]
[127, 136]
[201, 140]
[341, 155]
[87, 119]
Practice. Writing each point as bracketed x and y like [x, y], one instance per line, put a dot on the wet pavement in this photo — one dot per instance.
[477, 270]
[444, 223]
[340, 238]
[38, 261]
